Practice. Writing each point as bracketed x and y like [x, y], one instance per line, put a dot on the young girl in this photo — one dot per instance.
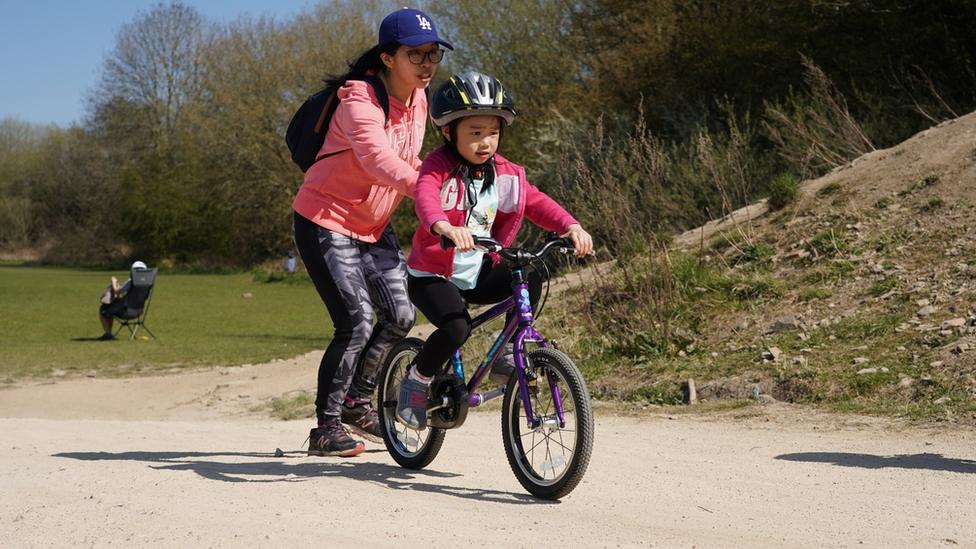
[342, 230]
[466, 189]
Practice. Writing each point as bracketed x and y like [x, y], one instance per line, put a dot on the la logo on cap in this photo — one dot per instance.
[424, 22]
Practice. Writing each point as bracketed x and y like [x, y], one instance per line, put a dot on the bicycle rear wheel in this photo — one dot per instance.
[549, 460]
[410, 448]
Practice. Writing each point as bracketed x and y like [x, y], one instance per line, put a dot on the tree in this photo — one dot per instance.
[534, 49]
[21, 156]
[257, 72]
[156, 64]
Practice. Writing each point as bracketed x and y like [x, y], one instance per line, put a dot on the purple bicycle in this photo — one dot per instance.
[547, 416]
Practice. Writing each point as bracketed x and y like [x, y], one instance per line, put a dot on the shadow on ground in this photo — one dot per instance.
[932, 462]
[265, 467]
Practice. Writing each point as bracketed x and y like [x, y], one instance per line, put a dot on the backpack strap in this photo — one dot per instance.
[326, 111]
[382, 96]
[379, 88]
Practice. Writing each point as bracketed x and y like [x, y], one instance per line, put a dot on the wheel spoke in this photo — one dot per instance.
[560, 433]
[534, 443]
[549, 463]
[560, 444]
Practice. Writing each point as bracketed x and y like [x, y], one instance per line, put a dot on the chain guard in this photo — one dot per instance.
[453, 415]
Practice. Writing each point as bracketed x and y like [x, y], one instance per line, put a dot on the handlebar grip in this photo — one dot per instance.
[446, 243]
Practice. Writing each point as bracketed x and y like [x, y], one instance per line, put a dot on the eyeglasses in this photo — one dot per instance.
[418, 57]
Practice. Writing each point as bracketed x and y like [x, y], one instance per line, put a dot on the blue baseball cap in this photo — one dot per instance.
[410, 27]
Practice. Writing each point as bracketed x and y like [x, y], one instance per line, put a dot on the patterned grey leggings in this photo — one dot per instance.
[355, 280]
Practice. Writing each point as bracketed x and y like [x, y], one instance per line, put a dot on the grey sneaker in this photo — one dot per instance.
[412, 404]
[331, 439]
[503, 367]
[361, 418]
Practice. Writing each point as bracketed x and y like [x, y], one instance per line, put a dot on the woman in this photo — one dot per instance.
[342, 223]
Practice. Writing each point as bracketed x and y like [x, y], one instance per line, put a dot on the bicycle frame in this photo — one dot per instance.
[519, 329]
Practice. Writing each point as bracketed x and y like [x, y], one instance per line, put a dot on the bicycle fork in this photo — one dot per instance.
[526, 331]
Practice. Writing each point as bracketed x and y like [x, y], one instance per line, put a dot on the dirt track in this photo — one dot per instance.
[186, 464]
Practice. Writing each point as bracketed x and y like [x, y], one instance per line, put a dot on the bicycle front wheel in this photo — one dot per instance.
[549, 459]
[411, 448]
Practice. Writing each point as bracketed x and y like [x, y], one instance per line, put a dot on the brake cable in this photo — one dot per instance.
[545, 298]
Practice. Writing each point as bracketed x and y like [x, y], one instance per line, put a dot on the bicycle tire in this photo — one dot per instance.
[577, 407]
[410, 448]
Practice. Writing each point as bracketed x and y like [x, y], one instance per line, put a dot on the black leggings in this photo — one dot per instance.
[444, 306]
[358, 282]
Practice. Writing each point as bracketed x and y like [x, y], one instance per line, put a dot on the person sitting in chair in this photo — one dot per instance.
[113, 302]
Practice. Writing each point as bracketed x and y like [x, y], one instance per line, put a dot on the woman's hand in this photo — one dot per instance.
[582, 240]
[461, 236]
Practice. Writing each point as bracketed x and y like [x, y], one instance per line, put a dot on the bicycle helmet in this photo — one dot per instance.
[471, 93]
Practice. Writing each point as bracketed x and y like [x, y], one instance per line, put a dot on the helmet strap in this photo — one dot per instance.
[468, 172]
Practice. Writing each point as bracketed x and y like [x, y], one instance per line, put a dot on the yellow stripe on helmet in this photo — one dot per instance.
[460, 89]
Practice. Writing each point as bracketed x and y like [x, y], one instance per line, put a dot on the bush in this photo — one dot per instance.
[757, 253]
[783, 190]
[809, 293]
[828, 243]
[884, 286]
[830, 188]
[747, 289]
[933, 204]
[665, 396]
[16, 220]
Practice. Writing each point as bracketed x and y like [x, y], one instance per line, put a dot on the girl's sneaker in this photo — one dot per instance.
[411, 407]
[362, 419]
[331, 439]
[503, 367]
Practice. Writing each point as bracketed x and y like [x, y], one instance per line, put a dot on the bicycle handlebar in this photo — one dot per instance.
[517, 255]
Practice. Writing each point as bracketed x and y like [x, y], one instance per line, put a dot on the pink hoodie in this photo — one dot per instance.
[355, 192]
[440, 196]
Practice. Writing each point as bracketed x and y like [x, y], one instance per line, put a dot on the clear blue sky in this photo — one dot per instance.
[51, 51]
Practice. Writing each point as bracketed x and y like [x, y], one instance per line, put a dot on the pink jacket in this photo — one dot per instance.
[355, 192]
[440, 196]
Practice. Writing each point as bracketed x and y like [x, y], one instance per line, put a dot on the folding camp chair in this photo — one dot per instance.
[137, 302]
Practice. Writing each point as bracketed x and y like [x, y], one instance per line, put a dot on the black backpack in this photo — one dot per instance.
[306, 131]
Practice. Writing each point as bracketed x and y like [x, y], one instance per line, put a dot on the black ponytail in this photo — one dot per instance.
[369, 60]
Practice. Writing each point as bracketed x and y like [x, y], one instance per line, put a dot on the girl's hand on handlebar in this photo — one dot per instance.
[461, 236]
[582, 240]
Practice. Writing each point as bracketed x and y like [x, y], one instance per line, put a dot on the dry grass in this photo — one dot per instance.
[851, 272]
[816, 132]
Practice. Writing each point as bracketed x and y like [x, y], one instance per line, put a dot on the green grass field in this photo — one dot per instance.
[49, 323]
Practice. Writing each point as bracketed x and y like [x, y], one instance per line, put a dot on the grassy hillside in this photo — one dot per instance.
[858, 296]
